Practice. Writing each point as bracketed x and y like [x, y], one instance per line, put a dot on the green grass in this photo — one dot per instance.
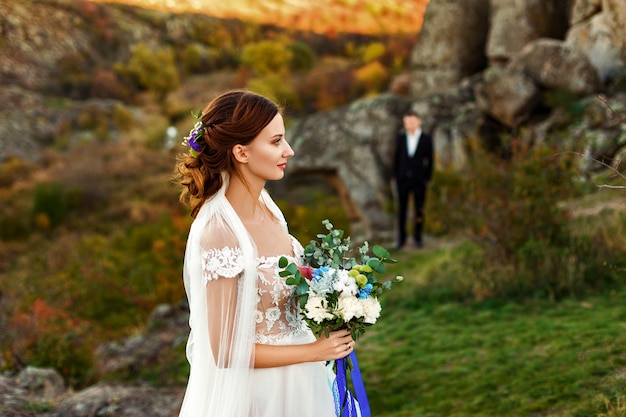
[533, 358]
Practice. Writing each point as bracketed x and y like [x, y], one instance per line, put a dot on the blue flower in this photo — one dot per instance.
[320, 273]
[365, 292]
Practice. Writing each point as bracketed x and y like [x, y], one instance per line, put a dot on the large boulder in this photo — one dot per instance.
[40, 383]
[516, 23]
[451, 45]
[507, 96]
[616, 11]
[352, 147]
[556, 65]
[584, 10]
[122, 401]
[166, 329]
[13, 400]
[594, 30]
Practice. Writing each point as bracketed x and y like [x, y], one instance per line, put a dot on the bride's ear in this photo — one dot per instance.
[240, 153]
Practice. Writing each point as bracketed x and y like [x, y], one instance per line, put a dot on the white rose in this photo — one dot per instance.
[317, 309]
[371, 309]
[350, 308]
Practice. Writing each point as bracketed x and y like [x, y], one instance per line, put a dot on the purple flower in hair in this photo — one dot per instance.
[195, 136]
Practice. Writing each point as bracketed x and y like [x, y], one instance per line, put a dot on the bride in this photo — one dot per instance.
[250, 353]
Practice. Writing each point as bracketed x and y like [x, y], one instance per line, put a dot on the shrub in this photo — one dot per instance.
[74, 75]
[49, 201]
[122, 117]
[15, 223]
[192, 58]
[527, 245]
[48, 337]
[372, 78]
[152, 69]
[14, 169]
[373, 52]
[197, 58]
[447, 190]
[327, 86]
[266, 57]
[277, 89]
[303, 58]
[106, 84]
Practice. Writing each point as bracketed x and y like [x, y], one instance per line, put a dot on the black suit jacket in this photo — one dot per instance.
[419, 167]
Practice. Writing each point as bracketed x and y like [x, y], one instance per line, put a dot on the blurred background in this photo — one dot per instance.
[514, 307]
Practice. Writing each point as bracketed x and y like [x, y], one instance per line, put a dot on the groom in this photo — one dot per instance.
[412, 171]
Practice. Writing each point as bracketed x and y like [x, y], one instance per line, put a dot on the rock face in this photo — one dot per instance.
[122, 401]
[40, 383]
[507, 96]
[555, 65]
[597, 32]
[32, 385]
[34, 47]
[515, 23]
[451, 45]
[13, 400]
[140, 351]
[351, 147]
[479, 69]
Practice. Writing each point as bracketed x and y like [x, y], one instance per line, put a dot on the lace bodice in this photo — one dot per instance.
[277, 312]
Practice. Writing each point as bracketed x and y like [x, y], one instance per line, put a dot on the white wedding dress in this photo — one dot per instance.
[237, 299]
[300, 390]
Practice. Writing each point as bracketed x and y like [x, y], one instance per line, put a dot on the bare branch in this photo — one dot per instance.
[617, 173]
[615, 113]
[611, 186]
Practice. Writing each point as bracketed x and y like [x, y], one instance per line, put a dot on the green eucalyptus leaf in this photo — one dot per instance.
[380, 252]
[376, 265]
[302, 288]
[303, 300]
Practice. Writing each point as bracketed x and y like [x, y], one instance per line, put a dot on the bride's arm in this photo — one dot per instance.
[338, 345]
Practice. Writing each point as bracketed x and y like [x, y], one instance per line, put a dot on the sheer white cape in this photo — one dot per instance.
[220, 348]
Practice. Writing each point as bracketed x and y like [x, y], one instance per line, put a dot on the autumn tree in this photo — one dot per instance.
[152, 69]
[267, 57]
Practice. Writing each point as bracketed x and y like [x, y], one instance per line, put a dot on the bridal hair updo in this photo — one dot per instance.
[233, 118]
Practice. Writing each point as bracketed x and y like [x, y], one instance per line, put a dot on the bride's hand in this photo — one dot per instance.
[337, 345]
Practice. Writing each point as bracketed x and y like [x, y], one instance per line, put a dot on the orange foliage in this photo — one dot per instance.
[321, 16]
[41, 319]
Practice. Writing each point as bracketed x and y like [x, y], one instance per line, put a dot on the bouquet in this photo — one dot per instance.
[337, 290]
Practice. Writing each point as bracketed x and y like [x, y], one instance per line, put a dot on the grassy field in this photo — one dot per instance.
[533, 358]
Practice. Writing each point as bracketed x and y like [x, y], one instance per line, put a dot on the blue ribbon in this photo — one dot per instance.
[345, 402]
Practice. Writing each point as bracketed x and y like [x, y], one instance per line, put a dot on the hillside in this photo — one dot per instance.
[322, 16]
[111, 55]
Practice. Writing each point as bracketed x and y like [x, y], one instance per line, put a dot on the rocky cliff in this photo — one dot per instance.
[482, 69]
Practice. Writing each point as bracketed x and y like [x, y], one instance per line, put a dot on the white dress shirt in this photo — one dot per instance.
[411, 141]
